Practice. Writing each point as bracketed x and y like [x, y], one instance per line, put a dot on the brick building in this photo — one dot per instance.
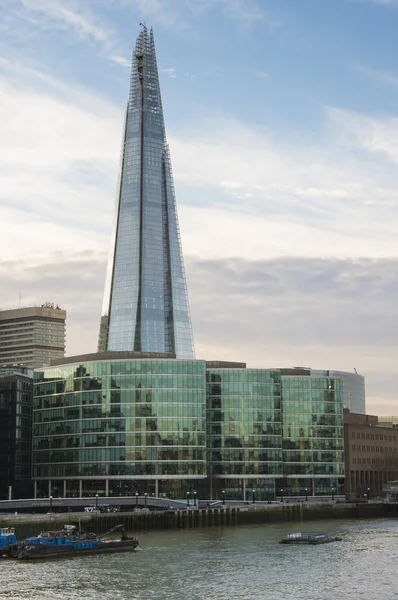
[371, 455]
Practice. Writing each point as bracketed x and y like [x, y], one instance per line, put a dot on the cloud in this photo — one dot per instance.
[246, 10]
[58, 160]
[325, 313]
[376, 135]
[281, 202]
[121, 60]
[170, 72]
[72, 280]
[260, 73]
[181, 15]
[64, 17]
[273, 195]
[378, 76]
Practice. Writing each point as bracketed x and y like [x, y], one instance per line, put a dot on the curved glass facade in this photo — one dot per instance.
[119, 420]
[118, 425]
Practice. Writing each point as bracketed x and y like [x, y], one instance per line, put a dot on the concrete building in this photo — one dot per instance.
[32, 336]
[371, 455]
[16, 403]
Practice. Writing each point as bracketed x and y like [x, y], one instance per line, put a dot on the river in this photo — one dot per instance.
[242, 563]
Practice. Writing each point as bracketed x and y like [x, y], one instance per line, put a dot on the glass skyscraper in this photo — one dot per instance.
[146, 305]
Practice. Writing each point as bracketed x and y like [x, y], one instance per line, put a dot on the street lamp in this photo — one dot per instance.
[96, 502]
[136, 499]
[332, 494]
[188, 498]
[306, 494]
[223, 497]
[253, 496]
[281, 494]
[51, 504]
[145, 498]
[368, 494]
[194, 498]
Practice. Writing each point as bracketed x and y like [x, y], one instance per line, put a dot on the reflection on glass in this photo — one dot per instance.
[145, 304]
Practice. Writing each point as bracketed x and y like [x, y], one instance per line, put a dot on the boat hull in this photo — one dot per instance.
[307, 542]
[40, 551]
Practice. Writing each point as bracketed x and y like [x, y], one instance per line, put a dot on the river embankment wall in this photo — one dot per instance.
[141, 520]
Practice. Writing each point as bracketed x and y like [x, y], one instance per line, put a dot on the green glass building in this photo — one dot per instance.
[244, 432]
[119, 423]
[273, 433]
[312, 434]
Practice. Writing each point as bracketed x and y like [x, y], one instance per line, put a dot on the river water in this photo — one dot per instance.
[242, 563]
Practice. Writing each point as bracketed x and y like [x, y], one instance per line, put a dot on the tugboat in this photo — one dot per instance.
[309, 538]
[8, 543]
[71, 542]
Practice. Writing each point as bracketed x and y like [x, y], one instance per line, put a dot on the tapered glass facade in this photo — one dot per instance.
[145, 304]
[115, 422]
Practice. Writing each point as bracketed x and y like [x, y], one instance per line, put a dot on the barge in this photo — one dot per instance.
[8, 542]
[70, 542]
[312, 539]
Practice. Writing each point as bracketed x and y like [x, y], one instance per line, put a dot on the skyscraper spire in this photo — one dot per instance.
[145, 304]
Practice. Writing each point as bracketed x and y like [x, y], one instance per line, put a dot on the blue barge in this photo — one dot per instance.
[70, 542]
[8, 542]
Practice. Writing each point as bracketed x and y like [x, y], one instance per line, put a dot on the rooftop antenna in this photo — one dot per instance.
[356, 373]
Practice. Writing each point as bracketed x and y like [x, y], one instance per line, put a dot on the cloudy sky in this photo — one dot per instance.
[282, 119]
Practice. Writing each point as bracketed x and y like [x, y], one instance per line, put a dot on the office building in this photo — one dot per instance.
[371, 455]
[32, 336]
[146, 304]
[16, 402]
[274, 432]
[118, 423]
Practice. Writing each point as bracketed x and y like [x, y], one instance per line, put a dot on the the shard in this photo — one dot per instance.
[146, 304]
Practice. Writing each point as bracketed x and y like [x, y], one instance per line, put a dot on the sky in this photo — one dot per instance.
[282, 120]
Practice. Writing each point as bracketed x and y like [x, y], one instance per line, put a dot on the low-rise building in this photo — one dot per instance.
[371, 455]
